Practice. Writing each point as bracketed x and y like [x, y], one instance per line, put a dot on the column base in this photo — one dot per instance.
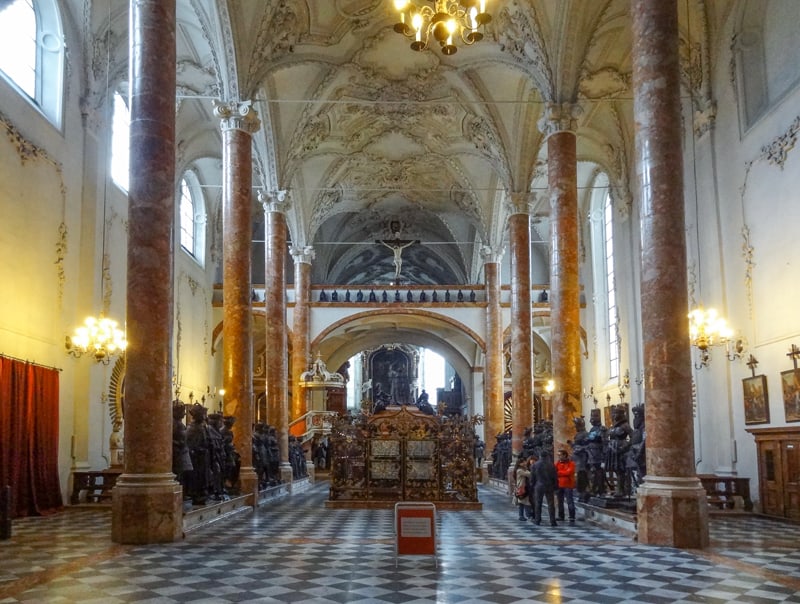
[248, 485]
[287, 476]
[146, 508]
[672, 512]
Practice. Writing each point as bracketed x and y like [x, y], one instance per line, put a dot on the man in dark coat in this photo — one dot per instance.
[545, 483]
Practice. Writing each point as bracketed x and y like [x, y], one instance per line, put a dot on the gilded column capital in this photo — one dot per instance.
[237, 115]
[491, 254]
[559, 117]
[274, 201]
[302, 253]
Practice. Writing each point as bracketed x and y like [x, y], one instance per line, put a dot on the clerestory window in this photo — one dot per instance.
[192, 217]
[32, 53]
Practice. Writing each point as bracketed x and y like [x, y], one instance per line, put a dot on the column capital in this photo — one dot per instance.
[237, 115]
[559, 117]
[274, 201]
[520, 202]
[491, 254]
[302, 253]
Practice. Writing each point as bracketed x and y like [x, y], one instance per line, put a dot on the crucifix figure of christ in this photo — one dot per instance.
[397, 246]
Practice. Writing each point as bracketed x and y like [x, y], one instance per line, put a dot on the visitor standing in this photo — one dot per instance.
[565, 471]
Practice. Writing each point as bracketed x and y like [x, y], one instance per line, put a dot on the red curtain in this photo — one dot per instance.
[29, 437]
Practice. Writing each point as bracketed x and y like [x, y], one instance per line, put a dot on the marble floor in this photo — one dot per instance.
[296, 550]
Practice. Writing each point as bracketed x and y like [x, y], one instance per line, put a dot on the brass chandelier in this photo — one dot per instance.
[443, 20]
[98, 337]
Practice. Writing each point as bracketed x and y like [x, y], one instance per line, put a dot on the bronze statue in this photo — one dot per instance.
[619, 436]
[595, 448]
[181, 460]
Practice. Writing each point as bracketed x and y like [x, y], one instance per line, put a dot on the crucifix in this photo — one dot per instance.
[397, 246]
[794, 354]
[752, 363]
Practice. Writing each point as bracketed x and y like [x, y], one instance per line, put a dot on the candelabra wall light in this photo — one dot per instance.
[707, 329]
[445, 21]
[625, 384]
[590, 395]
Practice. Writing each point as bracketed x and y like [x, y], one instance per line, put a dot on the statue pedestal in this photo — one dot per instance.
[486, 468]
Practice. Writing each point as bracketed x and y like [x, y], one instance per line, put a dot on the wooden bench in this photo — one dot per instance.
[727, 492]
[93, 486]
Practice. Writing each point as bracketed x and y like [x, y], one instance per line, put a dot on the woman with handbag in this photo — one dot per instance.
[521, 474]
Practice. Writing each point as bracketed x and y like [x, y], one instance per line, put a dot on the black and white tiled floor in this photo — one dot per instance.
[296, 550]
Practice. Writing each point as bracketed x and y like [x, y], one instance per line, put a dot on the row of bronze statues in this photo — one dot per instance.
[609, 460]
[207, 464]
[384, 297]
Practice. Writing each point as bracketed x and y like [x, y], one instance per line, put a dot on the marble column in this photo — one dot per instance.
[519, 236]
[558, 125]
[671, 504]
[147, 504]
[239, 122]
[276, 358]
[493, 372]
[301, 346]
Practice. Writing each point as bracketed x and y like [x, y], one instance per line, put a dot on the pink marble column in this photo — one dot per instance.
[277, 362]
[238, 121]
[301, 346]
[559, 126]
[671, 504]
[147, 500]
[519, 236]
[493, 373]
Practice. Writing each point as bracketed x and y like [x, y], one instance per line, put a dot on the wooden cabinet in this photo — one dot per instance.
[779, 470]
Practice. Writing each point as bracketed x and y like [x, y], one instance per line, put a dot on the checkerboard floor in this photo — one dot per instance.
[296, 550]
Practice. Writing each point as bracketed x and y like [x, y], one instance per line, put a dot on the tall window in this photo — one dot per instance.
[192, 217]
[32, 52]
[120, 143]
[610, 289]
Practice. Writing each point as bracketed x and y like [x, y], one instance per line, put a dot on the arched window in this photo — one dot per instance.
[32, 52]
[192, 217]
[120, 143]
[766, 44]
[612, 321]
[605, 291]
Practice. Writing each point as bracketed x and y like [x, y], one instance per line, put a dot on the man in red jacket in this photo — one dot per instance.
[565, 470]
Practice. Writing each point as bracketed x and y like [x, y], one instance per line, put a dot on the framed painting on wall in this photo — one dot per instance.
[756, 401]
[790, 380]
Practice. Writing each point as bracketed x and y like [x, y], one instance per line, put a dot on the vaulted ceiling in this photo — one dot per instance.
[374, 141]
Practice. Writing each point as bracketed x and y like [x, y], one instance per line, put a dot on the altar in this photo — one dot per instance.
[403, 454]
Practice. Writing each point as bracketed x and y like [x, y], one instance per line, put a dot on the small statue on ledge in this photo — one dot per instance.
[115, 445]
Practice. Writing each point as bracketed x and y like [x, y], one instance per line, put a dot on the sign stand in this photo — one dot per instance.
[415, 530]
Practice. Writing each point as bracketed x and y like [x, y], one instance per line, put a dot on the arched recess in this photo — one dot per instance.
[259, 352]
[456, 342]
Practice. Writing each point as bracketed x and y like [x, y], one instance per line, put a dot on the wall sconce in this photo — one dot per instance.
[590, 395]
[706, 329]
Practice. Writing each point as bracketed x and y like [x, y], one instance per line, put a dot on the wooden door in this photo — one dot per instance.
[790, 460]
[770, 472]
[779, 470]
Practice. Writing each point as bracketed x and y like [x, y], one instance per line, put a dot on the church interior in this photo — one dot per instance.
[275, 212]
